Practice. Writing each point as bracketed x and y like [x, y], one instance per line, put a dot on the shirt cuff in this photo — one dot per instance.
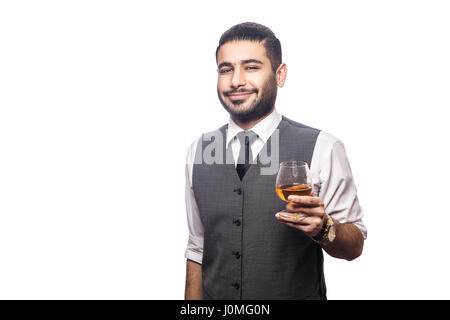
[194, 249]
[194, 256]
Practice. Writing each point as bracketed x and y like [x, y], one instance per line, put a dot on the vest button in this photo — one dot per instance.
[238, 191]
[236, 285]
[237, 222]
[236, 254]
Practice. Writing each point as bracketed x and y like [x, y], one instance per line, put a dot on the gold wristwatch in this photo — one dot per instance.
[328, 233]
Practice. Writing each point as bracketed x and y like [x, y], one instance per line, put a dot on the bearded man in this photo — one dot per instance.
[242, 244]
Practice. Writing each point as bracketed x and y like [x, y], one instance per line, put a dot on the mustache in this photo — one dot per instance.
[227, 93]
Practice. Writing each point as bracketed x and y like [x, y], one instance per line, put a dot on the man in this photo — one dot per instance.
[241, 245]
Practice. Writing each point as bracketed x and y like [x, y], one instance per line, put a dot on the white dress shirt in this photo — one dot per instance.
[330, 174]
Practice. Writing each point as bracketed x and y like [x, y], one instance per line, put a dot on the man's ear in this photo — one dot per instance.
[281, 74]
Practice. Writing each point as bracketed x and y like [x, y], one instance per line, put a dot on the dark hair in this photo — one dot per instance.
[255, 32]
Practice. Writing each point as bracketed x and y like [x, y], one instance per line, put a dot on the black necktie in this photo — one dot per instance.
[245, 158]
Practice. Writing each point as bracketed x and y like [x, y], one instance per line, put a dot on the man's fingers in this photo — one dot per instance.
[306, 223]
[306, 200]
[312, 211]
[302, 227]
[296, 218]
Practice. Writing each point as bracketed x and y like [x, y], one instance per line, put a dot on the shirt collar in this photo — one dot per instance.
[263, 129]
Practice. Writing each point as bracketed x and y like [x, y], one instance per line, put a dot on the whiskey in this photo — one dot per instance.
[285, 190]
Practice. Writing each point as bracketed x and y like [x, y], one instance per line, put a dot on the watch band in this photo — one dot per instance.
[323, 237]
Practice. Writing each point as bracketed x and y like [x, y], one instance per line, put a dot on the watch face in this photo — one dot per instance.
[332, 233]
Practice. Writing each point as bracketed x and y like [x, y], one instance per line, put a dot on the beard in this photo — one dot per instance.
[258, 108]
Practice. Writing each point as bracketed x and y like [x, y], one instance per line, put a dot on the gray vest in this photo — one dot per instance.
[247, 253]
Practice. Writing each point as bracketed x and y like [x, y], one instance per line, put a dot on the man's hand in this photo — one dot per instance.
[307, 214]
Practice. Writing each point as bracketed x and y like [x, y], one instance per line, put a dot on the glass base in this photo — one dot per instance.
[293, 215]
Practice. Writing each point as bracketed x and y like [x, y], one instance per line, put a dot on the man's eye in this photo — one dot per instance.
[252, 68]
[225, 70]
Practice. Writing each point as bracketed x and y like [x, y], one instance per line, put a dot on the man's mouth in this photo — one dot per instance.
[239, 95]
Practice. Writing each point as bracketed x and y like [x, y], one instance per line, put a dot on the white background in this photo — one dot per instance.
[99, 101]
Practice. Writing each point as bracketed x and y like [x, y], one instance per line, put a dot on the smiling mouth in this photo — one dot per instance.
[240, 95]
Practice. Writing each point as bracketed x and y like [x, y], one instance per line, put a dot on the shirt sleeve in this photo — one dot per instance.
[337, 187]
[194, 250]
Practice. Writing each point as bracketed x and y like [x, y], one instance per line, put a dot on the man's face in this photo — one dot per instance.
[246, 85]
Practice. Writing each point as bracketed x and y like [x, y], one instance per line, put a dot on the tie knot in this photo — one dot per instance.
[246, 137]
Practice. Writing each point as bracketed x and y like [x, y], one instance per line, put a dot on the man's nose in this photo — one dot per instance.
[238, 79]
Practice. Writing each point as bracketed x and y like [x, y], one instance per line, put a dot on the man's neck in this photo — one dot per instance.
[247, 125]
